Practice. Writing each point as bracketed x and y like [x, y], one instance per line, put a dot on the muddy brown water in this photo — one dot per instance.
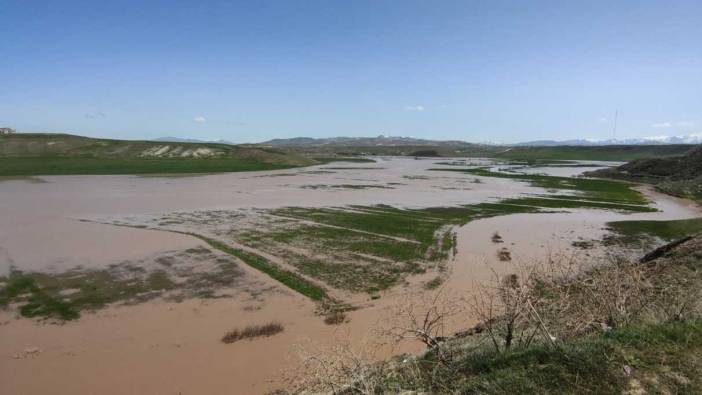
[169, 348]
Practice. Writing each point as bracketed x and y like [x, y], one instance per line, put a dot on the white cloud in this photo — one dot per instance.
[414, 108]
[678, 124]
[602, 119]
[95, 115]
[200, 119]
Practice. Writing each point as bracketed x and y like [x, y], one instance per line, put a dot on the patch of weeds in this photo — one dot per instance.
[583, 244]
[496, 238]
[343, 159]
[434, 283]
[416, 177]
[345, 186]
[504, 255]
[252, 332]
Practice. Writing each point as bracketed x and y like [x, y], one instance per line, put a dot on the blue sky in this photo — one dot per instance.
[250, 71]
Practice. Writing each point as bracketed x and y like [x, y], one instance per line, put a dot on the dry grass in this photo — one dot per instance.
[253, 331]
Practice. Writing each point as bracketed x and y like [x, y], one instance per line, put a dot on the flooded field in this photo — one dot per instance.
[215, 252]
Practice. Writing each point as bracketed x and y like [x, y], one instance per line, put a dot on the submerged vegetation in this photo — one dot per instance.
[584, 188]
[196, 272]
[252, 331]
[290, 279]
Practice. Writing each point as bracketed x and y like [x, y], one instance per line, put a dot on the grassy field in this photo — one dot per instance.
[35, 166]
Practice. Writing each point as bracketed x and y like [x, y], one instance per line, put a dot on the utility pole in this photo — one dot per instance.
[614, 131]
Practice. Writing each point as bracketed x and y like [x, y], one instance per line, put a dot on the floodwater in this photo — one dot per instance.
[169, 348]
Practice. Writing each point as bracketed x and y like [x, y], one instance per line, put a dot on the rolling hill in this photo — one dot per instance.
[677, 175]
[46, 154]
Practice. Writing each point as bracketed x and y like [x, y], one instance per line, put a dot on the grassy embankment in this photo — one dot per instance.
[663, 358]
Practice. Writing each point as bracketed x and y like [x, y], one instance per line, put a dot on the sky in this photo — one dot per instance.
[498, 71]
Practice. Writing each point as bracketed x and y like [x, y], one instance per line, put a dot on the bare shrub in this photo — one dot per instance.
[338, 368]
[532, 302]
[561, 298]
[423, 317]
[252, 331]
[612, 294]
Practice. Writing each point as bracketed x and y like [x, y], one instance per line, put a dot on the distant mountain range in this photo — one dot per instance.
[170, 139]
[362, 142]
[411, 141]
[656, 140]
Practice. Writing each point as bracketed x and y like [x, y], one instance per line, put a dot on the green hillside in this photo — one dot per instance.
[54, 154]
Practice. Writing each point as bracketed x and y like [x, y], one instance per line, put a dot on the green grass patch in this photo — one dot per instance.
[57, 165]
[664, 230]
[587, 188]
